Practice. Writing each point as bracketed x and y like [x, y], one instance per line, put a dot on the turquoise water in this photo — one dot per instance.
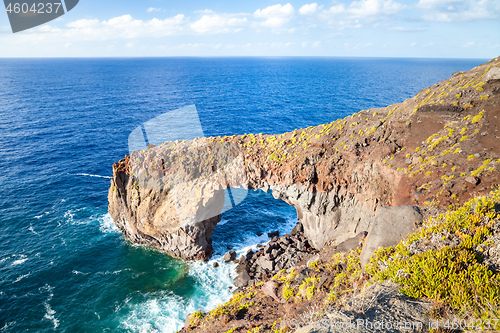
[63, 265]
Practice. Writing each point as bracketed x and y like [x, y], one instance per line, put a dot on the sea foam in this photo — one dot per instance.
[107, 225]
[165, 312]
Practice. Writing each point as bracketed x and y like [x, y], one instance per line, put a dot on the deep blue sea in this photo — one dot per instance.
[64, 267]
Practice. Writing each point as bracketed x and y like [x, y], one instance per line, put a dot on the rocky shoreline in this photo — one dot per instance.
[359, 184]
[280, 253]
[439, 146]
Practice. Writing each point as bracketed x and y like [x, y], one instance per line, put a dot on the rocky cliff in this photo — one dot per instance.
[436, 149]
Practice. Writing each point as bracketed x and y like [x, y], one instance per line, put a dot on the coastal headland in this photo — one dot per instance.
[361, 183]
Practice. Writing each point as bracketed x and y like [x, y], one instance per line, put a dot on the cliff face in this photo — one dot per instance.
[437, 148]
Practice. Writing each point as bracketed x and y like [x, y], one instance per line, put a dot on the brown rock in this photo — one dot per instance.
[472, 180]
[171, 195]
[241, 280]
[269, 289]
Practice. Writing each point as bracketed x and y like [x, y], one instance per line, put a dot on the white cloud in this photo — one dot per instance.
[459, 10]
[308, 9]
[123, 27]
[374, 9]
[406, 29]
[337, 9]
[153, 9]
[84, 23]
[126, 27]
[437, 3]
[360, 13]
[365, 8]
[197, 46]
[314, 44]
[216, 23]
[204, 11]
[275, 16]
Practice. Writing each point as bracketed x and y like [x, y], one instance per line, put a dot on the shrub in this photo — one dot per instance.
[454, 275]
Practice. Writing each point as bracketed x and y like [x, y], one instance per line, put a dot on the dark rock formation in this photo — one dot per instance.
[279, 254]
[242, 279]
[229, 256]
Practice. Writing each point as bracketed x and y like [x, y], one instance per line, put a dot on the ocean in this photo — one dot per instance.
[64, 266]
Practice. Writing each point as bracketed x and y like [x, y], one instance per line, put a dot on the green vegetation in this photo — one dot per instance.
[477, 117]
[444, 261]
[195, 318]
[348, 272]
[240, 301]
[452, 274]
[275, 329]
[287, 292]
[286, 279]
[306, 289]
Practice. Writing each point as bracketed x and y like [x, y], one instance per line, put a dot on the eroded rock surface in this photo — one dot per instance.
[390, 226]
[418, 152]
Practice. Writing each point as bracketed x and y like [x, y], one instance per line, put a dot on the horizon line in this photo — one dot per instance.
[241, 56]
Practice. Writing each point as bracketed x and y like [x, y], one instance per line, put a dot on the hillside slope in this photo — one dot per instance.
[436, 149]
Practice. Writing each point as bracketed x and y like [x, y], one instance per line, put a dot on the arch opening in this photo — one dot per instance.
[248, 224]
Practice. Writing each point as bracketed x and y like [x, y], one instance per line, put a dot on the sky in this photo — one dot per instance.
[362, 28]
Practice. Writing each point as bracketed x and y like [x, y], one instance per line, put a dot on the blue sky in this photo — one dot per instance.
[366, 28]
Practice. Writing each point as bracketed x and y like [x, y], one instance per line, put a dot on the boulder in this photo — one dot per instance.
[276, 253]
[242, 260]
[269, 289]
[249, 254]
[351, 243]
[241, 280]
[390, 226]
[472, 180]
[271, 246]
[265, 263]
[279, 266]
[229, 256]
[241, 268]
[492, 74]
[283, 246]
[273, 234]
[283, 241]
[303, 274]
[298, 229]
